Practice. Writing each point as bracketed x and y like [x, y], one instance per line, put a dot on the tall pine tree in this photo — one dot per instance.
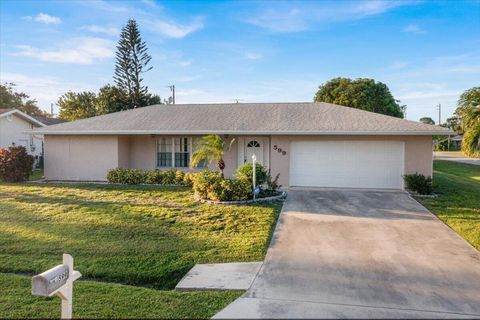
[132, 60]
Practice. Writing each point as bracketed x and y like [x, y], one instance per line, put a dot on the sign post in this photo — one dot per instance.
[254, 178]
[58, 281]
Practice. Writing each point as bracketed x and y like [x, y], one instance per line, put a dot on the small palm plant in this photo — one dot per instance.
[211, 148]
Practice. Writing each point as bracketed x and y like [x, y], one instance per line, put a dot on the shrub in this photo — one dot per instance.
[210, 185]
[154, 177]
[15, 164]
[246, 171]
[188, 178]
[272, 184]
[179, 174]
[126, 176]
[169, 176]
[418, 183]
[206, 184]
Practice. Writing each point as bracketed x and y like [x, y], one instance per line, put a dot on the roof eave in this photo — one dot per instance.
[203, 132]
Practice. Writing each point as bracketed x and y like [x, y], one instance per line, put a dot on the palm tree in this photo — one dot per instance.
[211, 148]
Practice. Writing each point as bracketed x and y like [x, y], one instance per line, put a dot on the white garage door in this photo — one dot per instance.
[347, 164]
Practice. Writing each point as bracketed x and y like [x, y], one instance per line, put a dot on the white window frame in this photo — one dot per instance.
[172, 139]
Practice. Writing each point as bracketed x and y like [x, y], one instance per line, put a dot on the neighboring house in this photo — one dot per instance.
[456, 142]
[309, 144]
[14, 125]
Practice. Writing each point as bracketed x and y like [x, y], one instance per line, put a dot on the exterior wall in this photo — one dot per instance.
[90, 157]
[80, 158]
[12, 130]
[143, 152]
[124, 152]
[418, 152]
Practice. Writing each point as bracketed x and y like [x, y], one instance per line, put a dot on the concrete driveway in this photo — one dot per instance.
[362, 254]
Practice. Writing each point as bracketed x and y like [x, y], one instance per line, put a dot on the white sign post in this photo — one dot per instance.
[254, 159]
[58, 281]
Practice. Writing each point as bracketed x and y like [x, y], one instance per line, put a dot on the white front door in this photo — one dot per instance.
[254, 146]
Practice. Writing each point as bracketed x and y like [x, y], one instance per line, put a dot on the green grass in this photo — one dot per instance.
[145, 236]
[37, 174]
[459, 204]
[149, 236]
[106, 300]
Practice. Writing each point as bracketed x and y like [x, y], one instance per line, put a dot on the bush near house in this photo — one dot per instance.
[15, 164]
[212, 186]
[246, 171]
[136, 176]
[418, 183]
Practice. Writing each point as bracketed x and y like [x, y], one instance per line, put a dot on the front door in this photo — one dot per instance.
[254, 146]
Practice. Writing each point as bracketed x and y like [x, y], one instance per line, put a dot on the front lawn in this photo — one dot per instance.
[459, 204]
[107, 300]
[147, 236]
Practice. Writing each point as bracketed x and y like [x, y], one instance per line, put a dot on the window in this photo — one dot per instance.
[164, 150]
[253, 144]
[182, 152]
[173, 152]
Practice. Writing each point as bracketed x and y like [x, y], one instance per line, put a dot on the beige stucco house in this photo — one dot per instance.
[14, 125]
[309, 144]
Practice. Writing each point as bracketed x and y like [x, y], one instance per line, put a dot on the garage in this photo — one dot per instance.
[347, 164]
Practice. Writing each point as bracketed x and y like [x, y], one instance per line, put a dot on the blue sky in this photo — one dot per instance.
[426, 52]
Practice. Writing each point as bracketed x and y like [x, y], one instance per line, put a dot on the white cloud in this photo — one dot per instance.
[45, 90]
[112, 31]
[397, 65]
[413, 28]
[76, 51]
[44, 18]
[290, 20]
[253, 55]
[285, 18]
[173, 29]
[185, 63]
[150, 3]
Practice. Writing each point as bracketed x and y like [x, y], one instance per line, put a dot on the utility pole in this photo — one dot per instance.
[172, 89]
[51, 109]
[439, 114]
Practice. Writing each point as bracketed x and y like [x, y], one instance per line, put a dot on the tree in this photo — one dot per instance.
[468, 112]
[75, 106]
[427, 120]
[110, 99]
[454, 124]
[211, 148]
[18, 100]
[362, 93]
[132, 60]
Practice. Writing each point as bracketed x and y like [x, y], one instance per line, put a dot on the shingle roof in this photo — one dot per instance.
[49, 121]
[6, 110]
[245, 118]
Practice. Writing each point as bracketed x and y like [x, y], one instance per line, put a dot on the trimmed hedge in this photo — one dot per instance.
[418, 183]
[136, 176]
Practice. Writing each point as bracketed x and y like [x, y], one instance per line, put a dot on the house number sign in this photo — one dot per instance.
[279, 150]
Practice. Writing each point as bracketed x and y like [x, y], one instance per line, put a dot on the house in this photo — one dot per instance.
[456, 142]
[14, 125]
[308, 144]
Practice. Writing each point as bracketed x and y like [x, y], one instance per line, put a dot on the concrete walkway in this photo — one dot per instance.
[456, 157]
[220, 276]
[362, 254]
